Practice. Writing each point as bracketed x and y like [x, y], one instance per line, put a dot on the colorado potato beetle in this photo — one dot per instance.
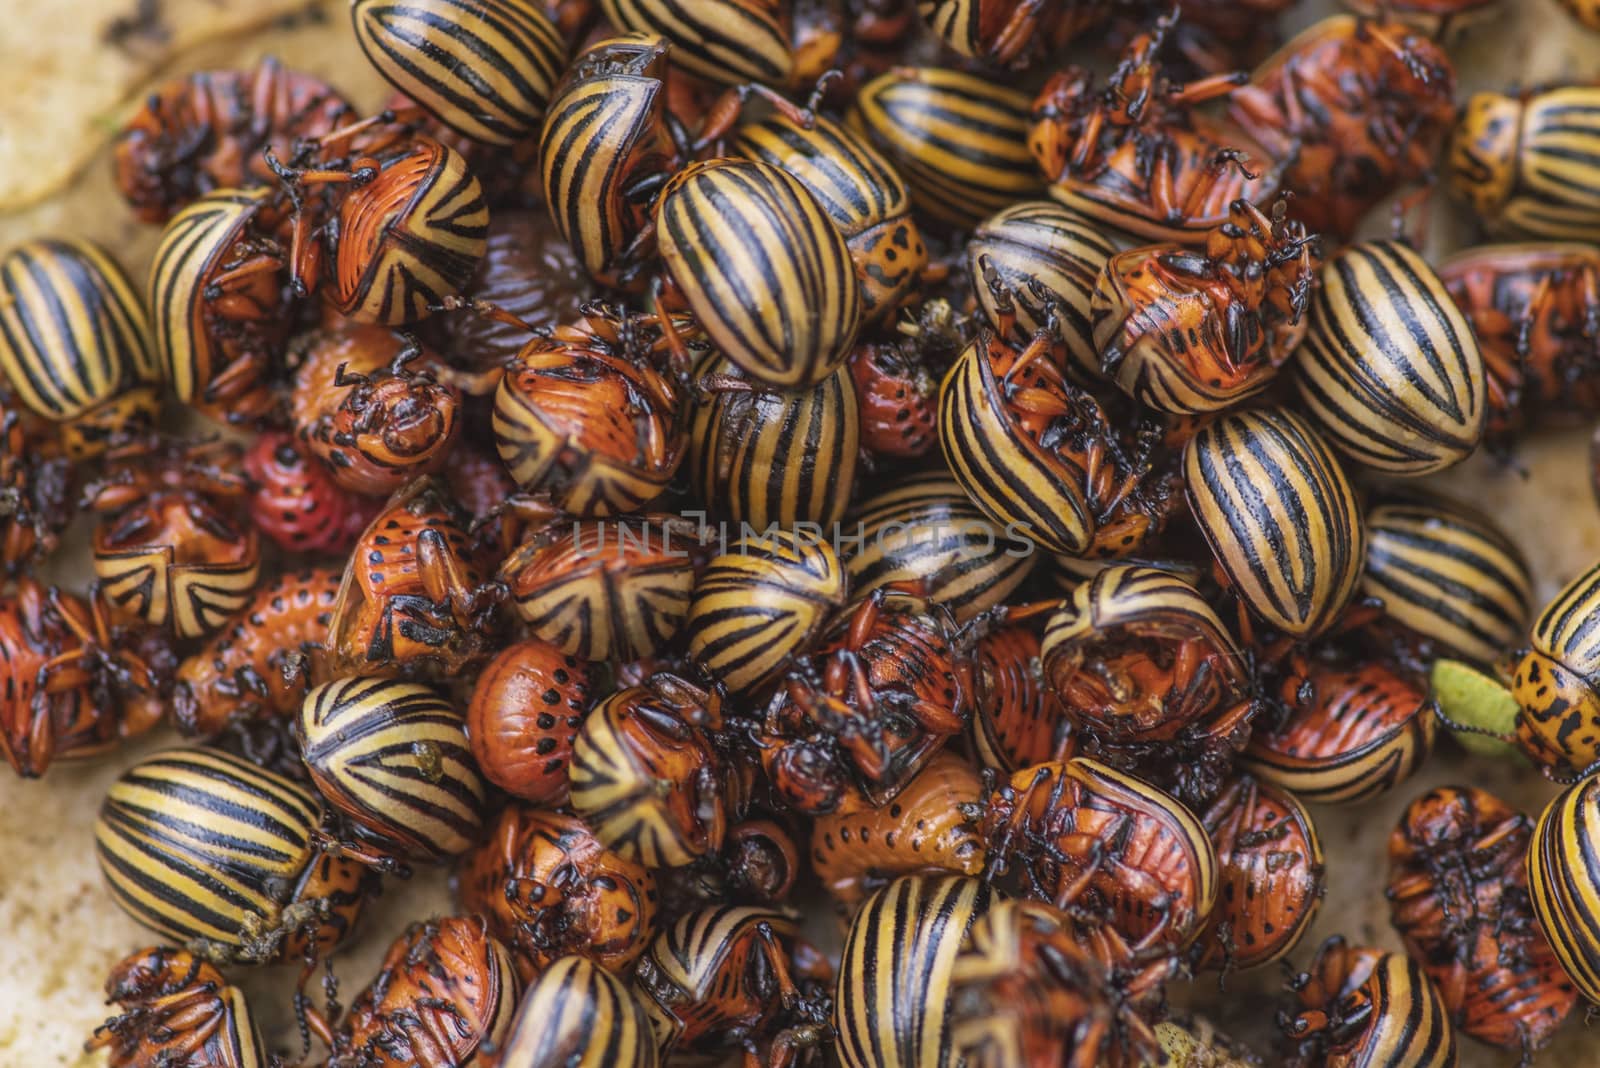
[69, 691]
[1390, 369]
[210, 850]
[1280, 516]
[1355, 108]
[1350, 731]
[1120, 852]
[176, 1007]
[1361, 1006]
[583, 416]
[529, 272]
[550, 888]
[764, 456]
[526, 706]
[1534, 309]
[927, 828]
[1140, 160]
[726, 42]
[443, 997]
[1019, 721]
[208, 130]
[719, 979]
[1561, 883]
[1008, 32]
[392, 756]
[410, 600]
[1554, 678]
[1271, 871]
[249, 670]
[960, 141]
[168, 547]
[898, 399]
[891, 1007]
[220, 303]
[605, 590]
[373, 421]
[1520, 161]
[485, 68]
[607, 148]
[1187, 332]
[648, 777]
[1150, 679]
[1049, 260]
[861, 193]
[35, 481]
[1040, 456]
[891, 684]
[75, 343]
[1458, 895]
[763, 267]
[927, 535]
[578, 1015]
[1024, 991]
[1448, 576]
[761, 603]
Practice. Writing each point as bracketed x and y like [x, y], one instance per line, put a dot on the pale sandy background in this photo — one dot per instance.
[59, 932]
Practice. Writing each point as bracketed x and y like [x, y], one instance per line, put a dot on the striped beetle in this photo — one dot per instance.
[763, 456]
[926, 534]
[392, 757]
[1562, 885]
[726, 42]
[1187, 332]
[1447, 576]
[1009, 32]
[1522, 162]
[578, 1015]
[891, 1002]
[1041, 457]
[485, 68]
[1458, 896]
[1390, 369]
[760, 263]
[208, 849]
[549, 888]
[1362, 1006]
[1351, 730]
[648, 777]
[863, 195]
[177, 1007]
[1150, 679]
[761, 603]
[75, 343]
[1140, 160]
[1281, 517]
[960, 141]
[1049, 259]
[218, 303]
[1354, 109]
[1116, 850]
[605, 590]
[361, 409]
[443, 997]
[721, 978]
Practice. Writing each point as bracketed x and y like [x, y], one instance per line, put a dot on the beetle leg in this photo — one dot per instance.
[444, 579]
[1018, 32]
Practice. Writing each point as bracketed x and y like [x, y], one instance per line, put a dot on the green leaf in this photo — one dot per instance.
[1477, 700]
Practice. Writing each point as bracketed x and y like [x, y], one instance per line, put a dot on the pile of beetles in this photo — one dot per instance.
[686, 460]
